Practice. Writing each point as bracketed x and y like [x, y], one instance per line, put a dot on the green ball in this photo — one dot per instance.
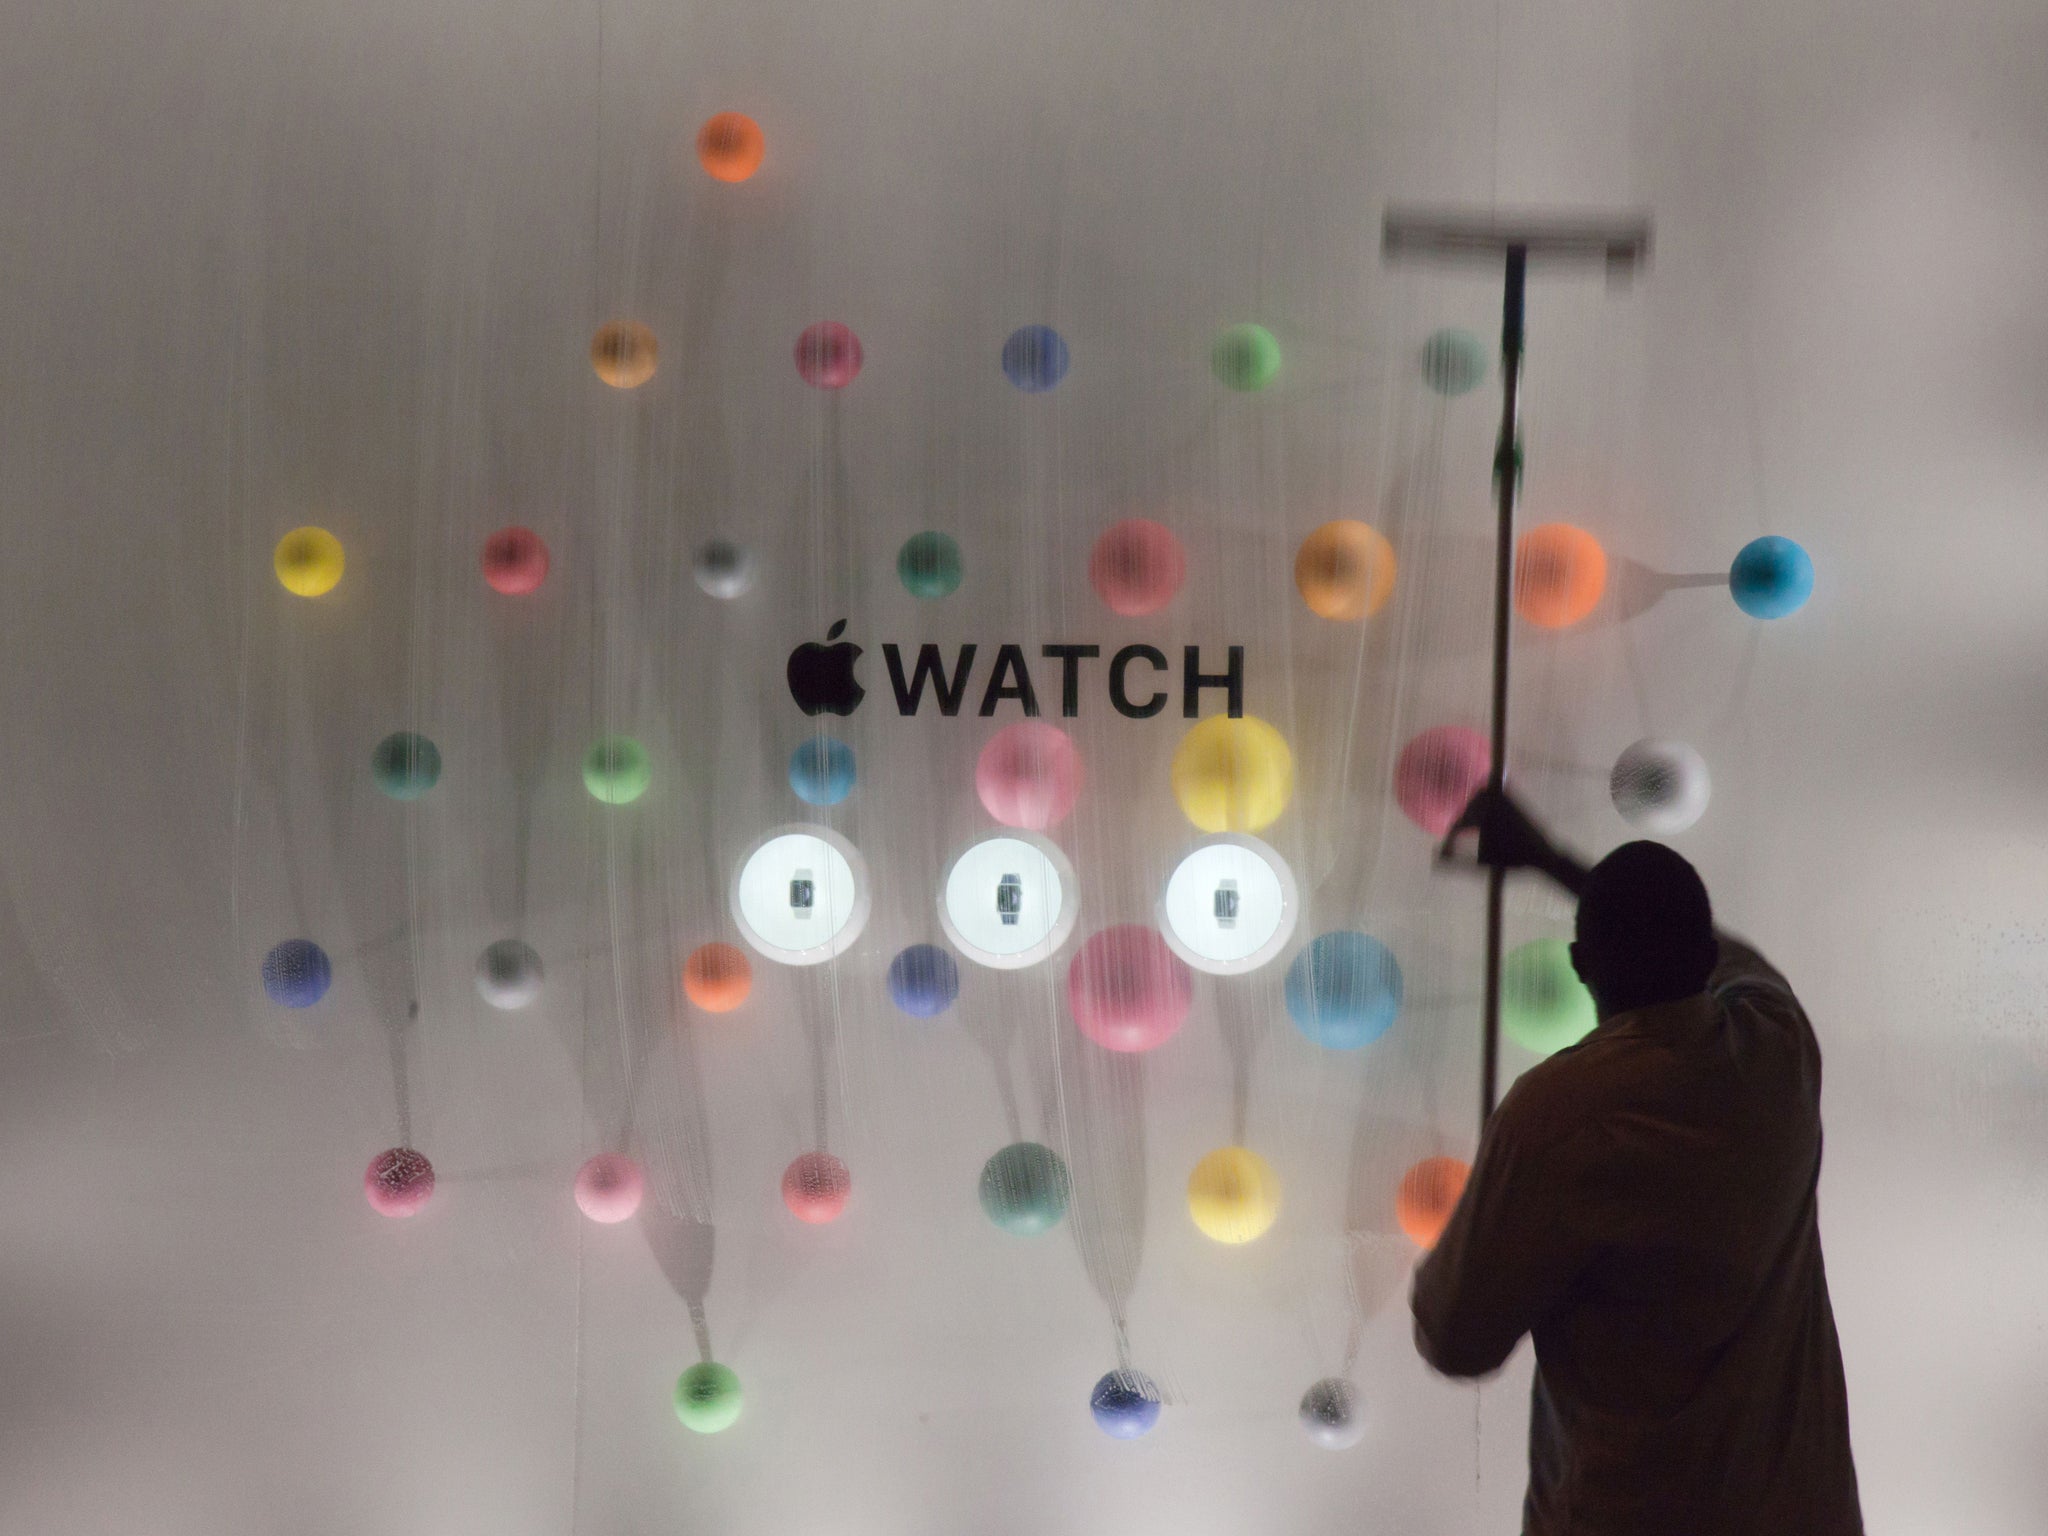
[929, 564]
[1454, 362]
[708, 1398]
[1245, 358]
[1543, 1004]
[1024, 1188]
[405, 765]
[615, 770]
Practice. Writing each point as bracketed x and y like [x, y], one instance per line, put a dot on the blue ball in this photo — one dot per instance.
[1771, 577]
[1125, 1404]
[297, 973]
[1344, 990]
[1035, 358]
[924, 981]
[821, 771]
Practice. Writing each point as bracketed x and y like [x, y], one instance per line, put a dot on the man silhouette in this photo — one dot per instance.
[1643, 1205]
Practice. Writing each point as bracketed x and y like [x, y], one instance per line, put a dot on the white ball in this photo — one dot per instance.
[508, 974]
[723, 568]
[1329, 1413]
[1660, 787]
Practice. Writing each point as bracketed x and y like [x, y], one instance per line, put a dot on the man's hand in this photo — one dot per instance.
[1510, 839]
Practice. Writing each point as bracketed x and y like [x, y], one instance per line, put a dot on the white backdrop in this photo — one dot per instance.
[271, 264]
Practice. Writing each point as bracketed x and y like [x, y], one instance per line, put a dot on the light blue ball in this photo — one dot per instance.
[297, 973]
[1771, 578]
[1344, 990]
[1035, 358]
[821, 771]
[1125, 1404]
[924, 981]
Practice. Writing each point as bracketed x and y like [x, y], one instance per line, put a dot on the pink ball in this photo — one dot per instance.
[815, 1187]
[1438, 773]
[1128, 991]
[398, 1182]
[515, 561]
[828, 355]
[1029, 775]
[1137, 566]
[608, 1187]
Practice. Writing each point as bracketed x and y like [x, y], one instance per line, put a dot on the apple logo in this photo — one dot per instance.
[821, 677]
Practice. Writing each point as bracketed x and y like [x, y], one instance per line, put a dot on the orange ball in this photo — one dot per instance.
[1345, 570]
[1428, 1194]
[730, 146]
[717, 977]
[622, 352]
[1560, 572]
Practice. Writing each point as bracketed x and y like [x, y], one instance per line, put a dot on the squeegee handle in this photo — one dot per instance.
[1506, 473]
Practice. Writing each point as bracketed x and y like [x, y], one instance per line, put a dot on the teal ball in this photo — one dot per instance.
[929, 565]
[405, 765]
[1025, 1188]
[1453, 362]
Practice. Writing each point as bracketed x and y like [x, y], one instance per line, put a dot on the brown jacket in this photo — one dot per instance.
[1643, 1204]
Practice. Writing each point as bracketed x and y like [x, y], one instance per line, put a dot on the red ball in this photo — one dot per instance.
[1127, 990]
[515, 561]
[815, 1188]
[828, 355]
[1438, 773]
[1029, 775]
[1137, 566]
[398, 1182]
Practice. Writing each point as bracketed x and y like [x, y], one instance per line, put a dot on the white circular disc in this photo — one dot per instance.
[1660, 787]
[801, 895]
[1009, 901]
[1229, 906]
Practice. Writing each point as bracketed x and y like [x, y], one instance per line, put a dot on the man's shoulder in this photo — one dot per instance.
[1567, 1093]
[1629, 1062]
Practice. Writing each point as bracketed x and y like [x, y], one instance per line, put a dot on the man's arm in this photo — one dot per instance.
[1509, 838]
[1508, 1256]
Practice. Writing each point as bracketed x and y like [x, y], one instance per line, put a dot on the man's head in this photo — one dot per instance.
[1645, 931]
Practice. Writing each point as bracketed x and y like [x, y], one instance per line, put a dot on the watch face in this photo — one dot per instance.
[1226, 904]
[1008, 901]
[800, 894]
[1229, 905]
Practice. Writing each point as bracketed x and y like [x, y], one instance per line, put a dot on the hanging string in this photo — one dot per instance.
[576, 1390]
[401, 1080]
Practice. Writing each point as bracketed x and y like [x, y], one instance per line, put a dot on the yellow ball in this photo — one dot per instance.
[1232, 1195]
[1233, 775]
[1345, 570]
[308, 561]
